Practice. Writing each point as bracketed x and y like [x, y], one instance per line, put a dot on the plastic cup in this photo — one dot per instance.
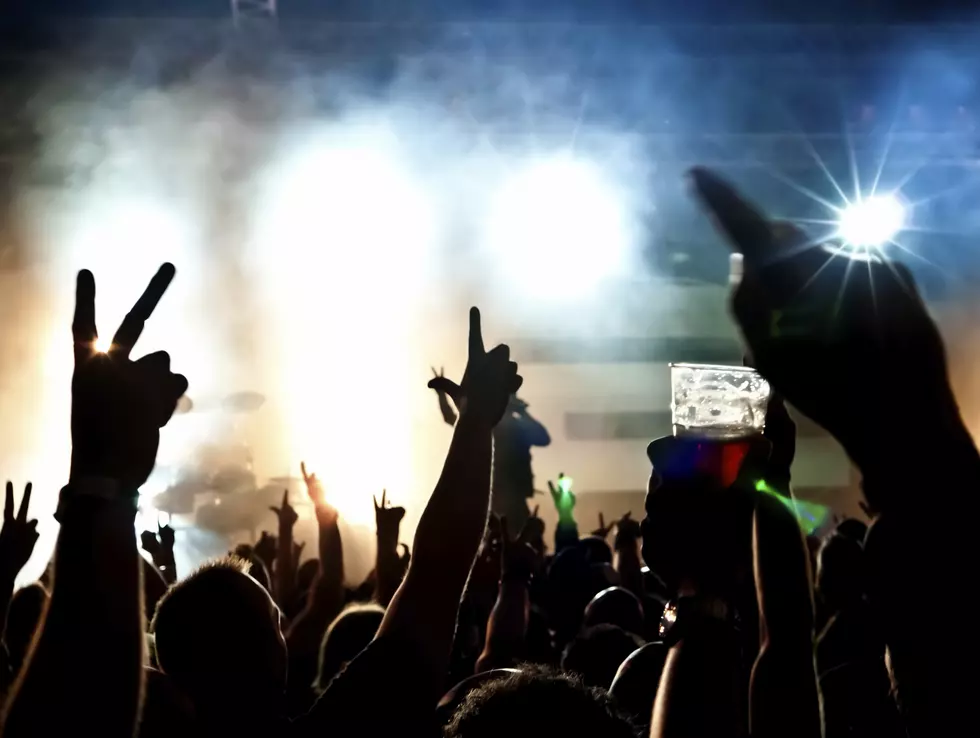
[717, 402]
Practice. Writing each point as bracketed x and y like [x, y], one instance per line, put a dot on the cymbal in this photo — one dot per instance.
[243, 402]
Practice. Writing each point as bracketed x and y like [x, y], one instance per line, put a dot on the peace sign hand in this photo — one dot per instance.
[119, 405]
[488, 382]
[603, 530]
[18, 535]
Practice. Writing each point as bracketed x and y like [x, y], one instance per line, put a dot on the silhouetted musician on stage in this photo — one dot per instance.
[513, 438]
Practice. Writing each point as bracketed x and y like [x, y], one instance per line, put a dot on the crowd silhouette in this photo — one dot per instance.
[714, 616]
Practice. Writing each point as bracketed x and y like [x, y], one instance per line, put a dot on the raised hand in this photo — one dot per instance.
[166, 534]
[563, 497]
[285, 512]
[388, 520]
[488, 382]
[326, 514]
[18, 535]
[829, 331]
[533, 531]
[151, 544]
[119, 405]
[603, 530]
[628, 532]
[266, 549]
[438, 375]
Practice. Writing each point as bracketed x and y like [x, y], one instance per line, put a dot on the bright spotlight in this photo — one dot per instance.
[559, 222]
[871, 222]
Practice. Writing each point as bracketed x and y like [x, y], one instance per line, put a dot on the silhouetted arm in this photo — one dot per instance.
[507, 625]
[284, 576]
[86, 667]
[323, 604]
[448, 414]
[424, 609]
[700, 692]
[783, 696]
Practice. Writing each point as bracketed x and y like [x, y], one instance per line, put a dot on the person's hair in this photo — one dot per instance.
[535, 701]
[348, 635]
[596, 653]
[23, 615]
[218, 630]
[616, 606]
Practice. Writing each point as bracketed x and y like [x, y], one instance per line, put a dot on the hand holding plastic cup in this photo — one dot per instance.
[717, 402]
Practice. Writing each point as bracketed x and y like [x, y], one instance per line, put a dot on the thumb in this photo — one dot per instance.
[445, 386]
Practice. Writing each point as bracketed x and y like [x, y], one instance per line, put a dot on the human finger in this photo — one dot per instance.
[8, 505]
[25, 503]
[132, 326]
[83, 327]
[744, 225]
[476, 333]
[158, 362]
[446, 387]
[534, 514]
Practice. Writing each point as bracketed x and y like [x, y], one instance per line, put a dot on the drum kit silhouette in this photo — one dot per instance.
[220, 491]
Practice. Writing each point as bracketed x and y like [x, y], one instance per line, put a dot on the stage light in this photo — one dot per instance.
[560, 225]
[872, 222]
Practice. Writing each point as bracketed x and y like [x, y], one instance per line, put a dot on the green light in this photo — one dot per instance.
[810, 515]
[565, 485]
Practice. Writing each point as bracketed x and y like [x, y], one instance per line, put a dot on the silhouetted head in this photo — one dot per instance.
[536, 702]
[23, 616]
[840, 572]
[597, 652]
[616, 606]
[635, 686]
[348, 635]
[219, 638]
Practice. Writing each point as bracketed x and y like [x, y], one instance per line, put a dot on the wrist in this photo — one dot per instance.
[95, 493]
[470, 422]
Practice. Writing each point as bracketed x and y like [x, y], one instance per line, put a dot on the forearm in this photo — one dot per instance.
[701, 672]
[452, 525]
[783, 693]
[566, 533]
[448, 415]
[630, 569]
[330, 585]
[6, 595]
[94, 623]
[783, 696]
[446, 541]
[507, 627]
[285, 571]
[167, 567]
